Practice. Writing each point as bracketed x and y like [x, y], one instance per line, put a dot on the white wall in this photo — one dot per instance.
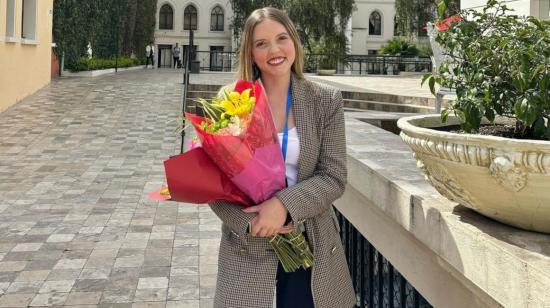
[361, 40]
[537, 8]
[203, 37]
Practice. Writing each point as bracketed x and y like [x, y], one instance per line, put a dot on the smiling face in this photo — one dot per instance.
[272, 48]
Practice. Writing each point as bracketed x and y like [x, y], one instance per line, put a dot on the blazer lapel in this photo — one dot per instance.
[298, 109]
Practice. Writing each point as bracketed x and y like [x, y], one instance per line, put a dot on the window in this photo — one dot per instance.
[375, 24]
[28, 22]
[190, 18]
[166, 18]
[10, 19]
[216, 19]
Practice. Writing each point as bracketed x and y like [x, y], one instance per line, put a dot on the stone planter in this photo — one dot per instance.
[326, 72]
[505, 179]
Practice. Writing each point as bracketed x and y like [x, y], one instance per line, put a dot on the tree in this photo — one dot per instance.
[68, 23]
[111, 26]
[318, 21]
[243, 8]
[411, 16]
[144, 31]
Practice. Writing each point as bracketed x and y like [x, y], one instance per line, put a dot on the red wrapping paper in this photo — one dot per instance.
[192, 177]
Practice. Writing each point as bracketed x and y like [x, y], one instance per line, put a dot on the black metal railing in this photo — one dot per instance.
[227, 61]
[377, 283]
[217, 61]
[385, 65]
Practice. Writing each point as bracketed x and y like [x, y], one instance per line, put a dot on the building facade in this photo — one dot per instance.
[372, 25]
[25, 48]
[209, 20]
[536, 8]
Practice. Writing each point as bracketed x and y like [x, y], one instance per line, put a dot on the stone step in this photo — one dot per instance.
[360, 100]
[387, 107]
[389, 98]
[202, 94]
[204, 87]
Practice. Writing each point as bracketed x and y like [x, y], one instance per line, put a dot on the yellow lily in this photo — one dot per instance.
[239, 104]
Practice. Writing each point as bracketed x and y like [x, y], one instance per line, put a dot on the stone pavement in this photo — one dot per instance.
[407, 85]
[77, 228]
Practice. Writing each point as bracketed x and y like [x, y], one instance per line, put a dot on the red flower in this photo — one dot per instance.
[447, 22]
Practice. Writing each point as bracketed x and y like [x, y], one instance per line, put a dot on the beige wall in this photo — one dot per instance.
[25, 64]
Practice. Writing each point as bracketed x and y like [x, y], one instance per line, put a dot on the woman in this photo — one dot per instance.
[248, 270]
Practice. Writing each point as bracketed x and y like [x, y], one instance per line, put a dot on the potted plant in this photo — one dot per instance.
[327, 66]
[490, 150]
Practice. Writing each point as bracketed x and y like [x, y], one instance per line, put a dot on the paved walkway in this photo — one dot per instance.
[407, 85]
[76, 226]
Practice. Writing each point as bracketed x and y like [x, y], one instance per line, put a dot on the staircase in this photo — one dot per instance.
[355, 100]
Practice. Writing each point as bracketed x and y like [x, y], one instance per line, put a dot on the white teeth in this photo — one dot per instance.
[276, 60]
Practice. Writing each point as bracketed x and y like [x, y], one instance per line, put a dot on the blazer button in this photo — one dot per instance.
[333, 249]
[243, 251]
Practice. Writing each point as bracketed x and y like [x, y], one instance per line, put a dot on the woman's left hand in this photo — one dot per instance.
[271, 217]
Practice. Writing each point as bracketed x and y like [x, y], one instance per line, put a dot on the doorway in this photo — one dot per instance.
[165, 56]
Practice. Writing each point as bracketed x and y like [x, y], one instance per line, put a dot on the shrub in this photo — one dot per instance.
[499, 64]
[399, 47]
[327, 63]
[87, 64]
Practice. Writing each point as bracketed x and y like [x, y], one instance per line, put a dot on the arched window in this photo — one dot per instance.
[216, 19]
[190, 18]
[166, 18]
[375, 23]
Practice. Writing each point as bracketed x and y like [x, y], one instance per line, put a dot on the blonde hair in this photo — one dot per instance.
[246, 71]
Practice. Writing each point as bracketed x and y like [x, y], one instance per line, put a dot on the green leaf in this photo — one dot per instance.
[444, 114]
[441, 8]
[424, 78]
[539, 127]
[431, 83]
[490, 115]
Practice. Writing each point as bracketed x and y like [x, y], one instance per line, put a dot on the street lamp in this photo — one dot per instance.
[117, 34]
[186, 68]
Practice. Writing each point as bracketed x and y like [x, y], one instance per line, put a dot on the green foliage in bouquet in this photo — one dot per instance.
[499, 65]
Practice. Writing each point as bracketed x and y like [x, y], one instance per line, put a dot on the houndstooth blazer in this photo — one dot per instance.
[247, 265]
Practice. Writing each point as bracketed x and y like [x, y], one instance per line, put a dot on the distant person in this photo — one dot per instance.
[150, 54]
[176, 54]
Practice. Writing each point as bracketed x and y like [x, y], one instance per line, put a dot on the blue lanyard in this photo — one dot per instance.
[285, 131]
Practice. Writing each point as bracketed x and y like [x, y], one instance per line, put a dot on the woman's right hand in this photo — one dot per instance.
[283, 230]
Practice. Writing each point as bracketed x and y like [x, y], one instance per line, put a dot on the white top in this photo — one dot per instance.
[292, 154]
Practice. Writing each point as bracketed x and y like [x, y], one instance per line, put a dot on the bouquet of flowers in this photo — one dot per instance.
[240, 153]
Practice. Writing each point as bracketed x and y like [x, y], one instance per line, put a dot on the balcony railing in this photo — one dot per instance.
[377, 283]
[226, 61]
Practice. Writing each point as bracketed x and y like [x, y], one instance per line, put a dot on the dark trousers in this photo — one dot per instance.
[294, 289]
[150, 58]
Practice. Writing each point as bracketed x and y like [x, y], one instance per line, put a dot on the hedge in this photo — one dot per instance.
[87, 64]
